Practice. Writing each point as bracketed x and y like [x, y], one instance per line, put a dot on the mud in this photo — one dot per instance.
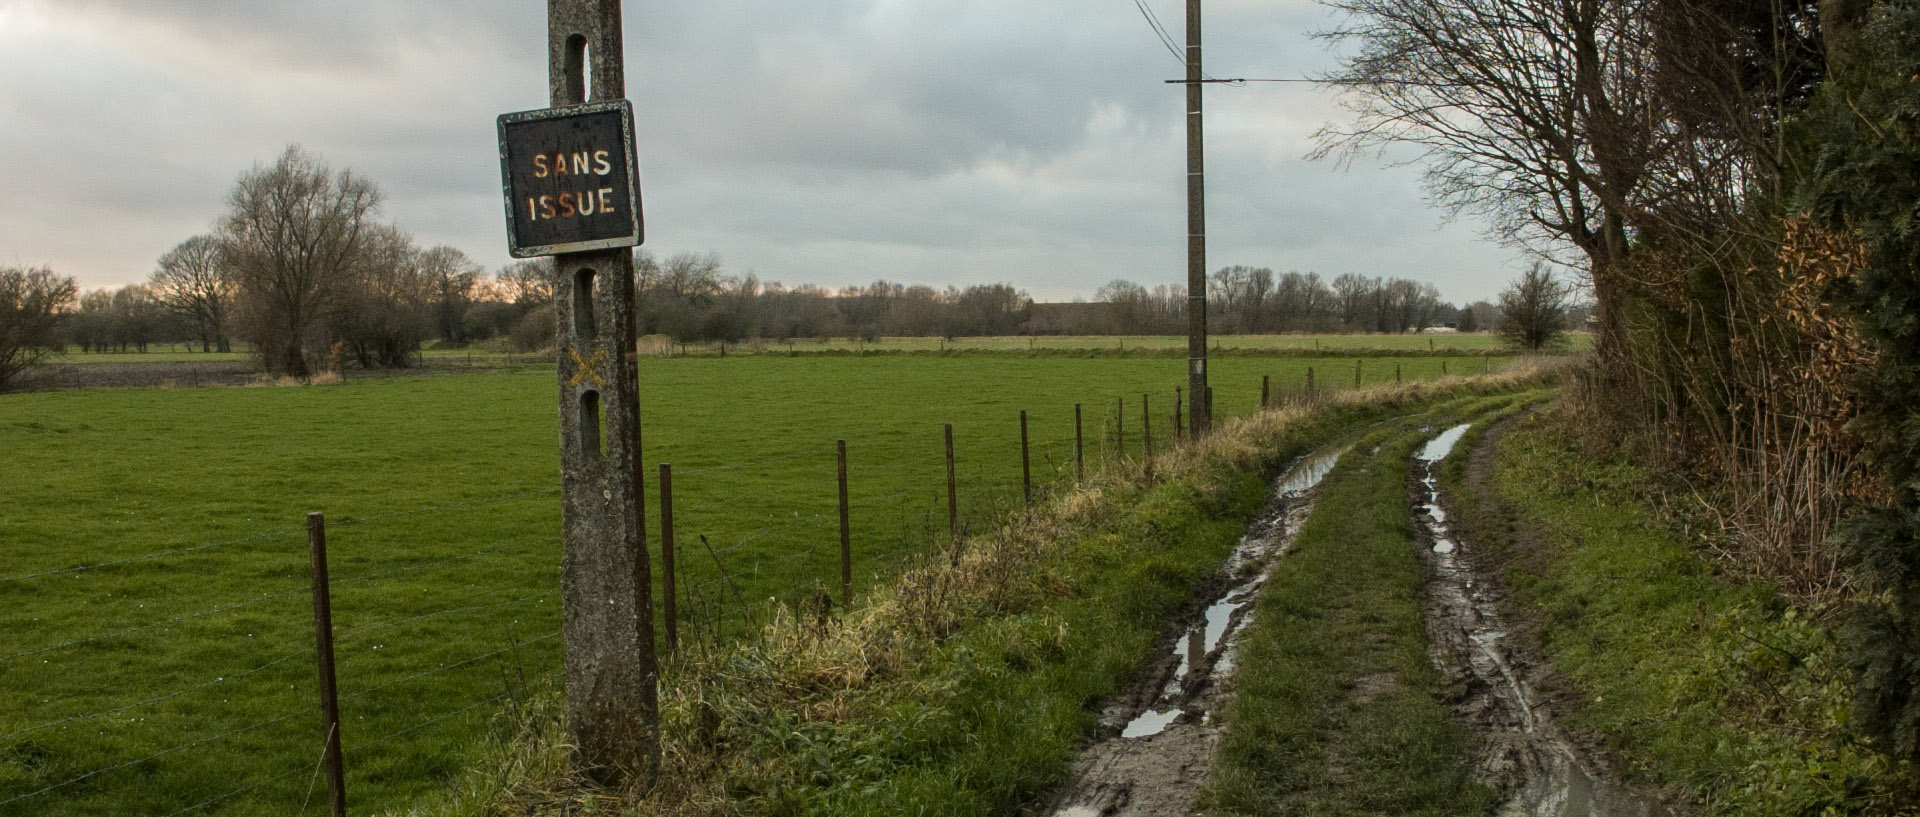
[1155, 748]
[1520, 750]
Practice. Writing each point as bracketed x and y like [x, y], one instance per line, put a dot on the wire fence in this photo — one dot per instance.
[207, 703]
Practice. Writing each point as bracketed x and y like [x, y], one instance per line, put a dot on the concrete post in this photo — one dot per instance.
[612, 711]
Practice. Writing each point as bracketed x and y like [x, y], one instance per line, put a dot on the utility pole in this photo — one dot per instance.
[1201, 411]
[612, 705]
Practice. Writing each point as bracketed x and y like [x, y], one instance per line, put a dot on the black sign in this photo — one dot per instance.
[570, 179]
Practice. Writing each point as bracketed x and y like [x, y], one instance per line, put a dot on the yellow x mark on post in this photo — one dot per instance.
[588, 368]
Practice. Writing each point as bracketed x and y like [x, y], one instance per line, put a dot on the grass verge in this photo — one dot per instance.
[1728, 694]
[964, 687]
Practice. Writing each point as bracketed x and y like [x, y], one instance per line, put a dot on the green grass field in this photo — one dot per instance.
[153, 578]
[494, 353]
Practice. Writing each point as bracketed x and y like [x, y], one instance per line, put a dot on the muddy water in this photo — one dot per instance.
[1160, 749]
[1522, 752]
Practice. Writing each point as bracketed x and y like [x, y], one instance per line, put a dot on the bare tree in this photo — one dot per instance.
[293, 236]
[1535, 113]
[192, 283]
[1533, 311]
[31, 305]
[528, 284]
[453, 277]
[383, 313]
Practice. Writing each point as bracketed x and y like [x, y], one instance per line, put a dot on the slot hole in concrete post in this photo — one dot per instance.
[576, 69]
[583, 283]
[592, 442]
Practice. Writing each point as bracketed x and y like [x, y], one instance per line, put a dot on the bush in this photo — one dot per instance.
[32, 305]
[536, 331]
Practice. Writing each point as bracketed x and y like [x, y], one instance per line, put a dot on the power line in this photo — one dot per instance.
[1160, 31]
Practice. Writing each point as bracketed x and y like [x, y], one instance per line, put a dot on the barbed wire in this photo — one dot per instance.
[379, 741]
[151, 757]
[274, 534]
[150, 701]
[403, 621]
[444, 667]
[240, 606]
[239, 791]
[151, 556]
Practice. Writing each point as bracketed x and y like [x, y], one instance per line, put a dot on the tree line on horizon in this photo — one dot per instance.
[301, 270]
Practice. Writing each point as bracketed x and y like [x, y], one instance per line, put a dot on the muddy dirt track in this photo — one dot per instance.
[1155, 748]
[1154, 751]
[1519, 748]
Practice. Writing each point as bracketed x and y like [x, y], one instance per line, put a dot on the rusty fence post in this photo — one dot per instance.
[953, 492]
[1079, 448]
[1146, 426]
[1026, 461]
[846, 536]
[1179, 433]
[666, 558]
[323, 648]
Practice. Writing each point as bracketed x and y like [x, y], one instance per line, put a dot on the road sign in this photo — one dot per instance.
[570, 179]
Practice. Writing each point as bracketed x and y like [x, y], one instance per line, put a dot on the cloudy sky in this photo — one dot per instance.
[832, 142]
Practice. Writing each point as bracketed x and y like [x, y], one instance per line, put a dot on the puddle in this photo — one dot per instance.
[1156, 760]
[1439, 447]
[1151, 722]
[1524, 753]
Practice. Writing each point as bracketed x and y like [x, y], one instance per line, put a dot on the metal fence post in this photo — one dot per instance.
[953, 492]
[1179, 433]
[1146, 425]
[666, 558]
[323, 647]
[1079, 448]
[1026, 461]
[846, 538]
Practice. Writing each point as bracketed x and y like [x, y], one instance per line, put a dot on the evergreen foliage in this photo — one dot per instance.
[1864, 129]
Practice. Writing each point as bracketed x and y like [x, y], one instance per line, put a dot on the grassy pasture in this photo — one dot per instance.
[183, 682]
[494, 353]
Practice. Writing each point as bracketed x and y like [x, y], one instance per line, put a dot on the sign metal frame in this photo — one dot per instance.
[632, 238]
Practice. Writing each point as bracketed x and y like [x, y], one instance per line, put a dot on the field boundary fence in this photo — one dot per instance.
[430, 601]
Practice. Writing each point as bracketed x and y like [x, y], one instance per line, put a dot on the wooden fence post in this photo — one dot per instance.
[1266, 390]
[323, 648]
[1356, 373]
